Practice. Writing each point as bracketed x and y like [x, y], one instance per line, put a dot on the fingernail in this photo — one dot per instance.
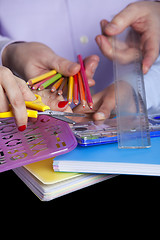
[22, 128]
[145, 69]
[98, 40]
[62, 104]
[72, 66]
[103, 24]
[93, 67]
[111, 27]
[100, 116]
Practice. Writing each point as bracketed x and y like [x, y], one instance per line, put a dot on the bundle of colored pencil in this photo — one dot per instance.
[78, 87]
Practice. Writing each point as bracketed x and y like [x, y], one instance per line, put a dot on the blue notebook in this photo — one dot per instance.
[109, 159]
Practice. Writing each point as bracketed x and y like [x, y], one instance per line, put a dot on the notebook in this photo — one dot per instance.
[111, 160]
[47, 184]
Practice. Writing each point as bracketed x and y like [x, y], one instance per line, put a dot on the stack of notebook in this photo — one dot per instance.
[47, 184]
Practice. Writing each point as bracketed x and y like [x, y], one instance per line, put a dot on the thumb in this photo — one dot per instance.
[64, 66]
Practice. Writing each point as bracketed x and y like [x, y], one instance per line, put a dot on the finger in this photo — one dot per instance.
[64, 66]
[125, 18]
[15, 97]
[103, 24]
[150, 53]
[105, 46]
[91, 64]
[3, 100]
[91, 82]
[105, 109]
[106, 103]
[28, 95]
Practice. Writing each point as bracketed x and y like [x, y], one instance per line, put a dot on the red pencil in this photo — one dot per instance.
[75, 90]
[85, 82]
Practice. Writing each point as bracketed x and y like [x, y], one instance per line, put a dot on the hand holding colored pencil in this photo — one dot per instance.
[78, 87]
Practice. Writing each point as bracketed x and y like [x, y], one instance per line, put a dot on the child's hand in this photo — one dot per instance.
[30, 59]
[104, 102]
[14, 90]
[103, 105]
[144, 17]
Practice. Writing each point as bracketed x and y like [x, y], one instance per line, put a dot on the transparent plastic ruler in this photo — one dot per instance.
[132, 117]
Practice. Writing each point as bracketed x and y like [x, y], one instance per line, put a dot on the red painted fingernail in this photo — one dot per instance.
[22, 128]
[62, 104]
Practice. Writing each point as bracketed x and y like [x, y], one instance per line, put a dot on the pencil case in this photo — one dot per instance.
[95, 133]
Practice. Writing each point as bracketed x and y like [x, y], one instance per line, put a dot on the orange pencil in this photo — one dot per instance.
[70, 89]
[57, 84]
[75, 90]
[81, 90]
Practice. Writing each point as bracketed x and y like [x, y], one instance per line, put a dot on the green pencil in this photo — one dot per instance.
[50, 81]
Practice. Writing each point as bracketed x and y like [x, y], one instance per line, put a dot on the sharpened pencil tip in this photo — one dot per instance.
[76, 102]
[90, 105]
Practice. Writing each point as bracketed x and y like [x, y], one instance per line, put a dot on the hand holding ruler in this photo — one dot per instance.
[132, 117]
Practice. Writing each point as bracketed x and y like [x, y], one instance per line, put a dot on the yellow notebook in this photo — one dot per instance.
[43, 171]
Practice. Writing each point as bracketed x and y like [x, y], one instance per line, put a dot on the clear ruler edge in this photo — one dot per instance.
[125, 138]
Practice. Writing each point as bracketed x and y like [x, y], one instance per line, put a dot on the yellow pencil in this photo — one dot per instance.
[41, 77]
[70, 89]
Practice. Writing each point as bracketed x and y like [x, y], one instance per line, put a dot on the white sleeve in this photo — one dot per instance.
[152, 88]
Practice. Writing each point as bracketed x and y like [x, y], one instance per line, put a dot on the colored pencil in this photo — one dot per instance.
[81, 89]
[75, 90]
[70, 89]
[85, 82]
[50, 81]
[41, 77]
[62, 87]
[57, 84]
[38, 84]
